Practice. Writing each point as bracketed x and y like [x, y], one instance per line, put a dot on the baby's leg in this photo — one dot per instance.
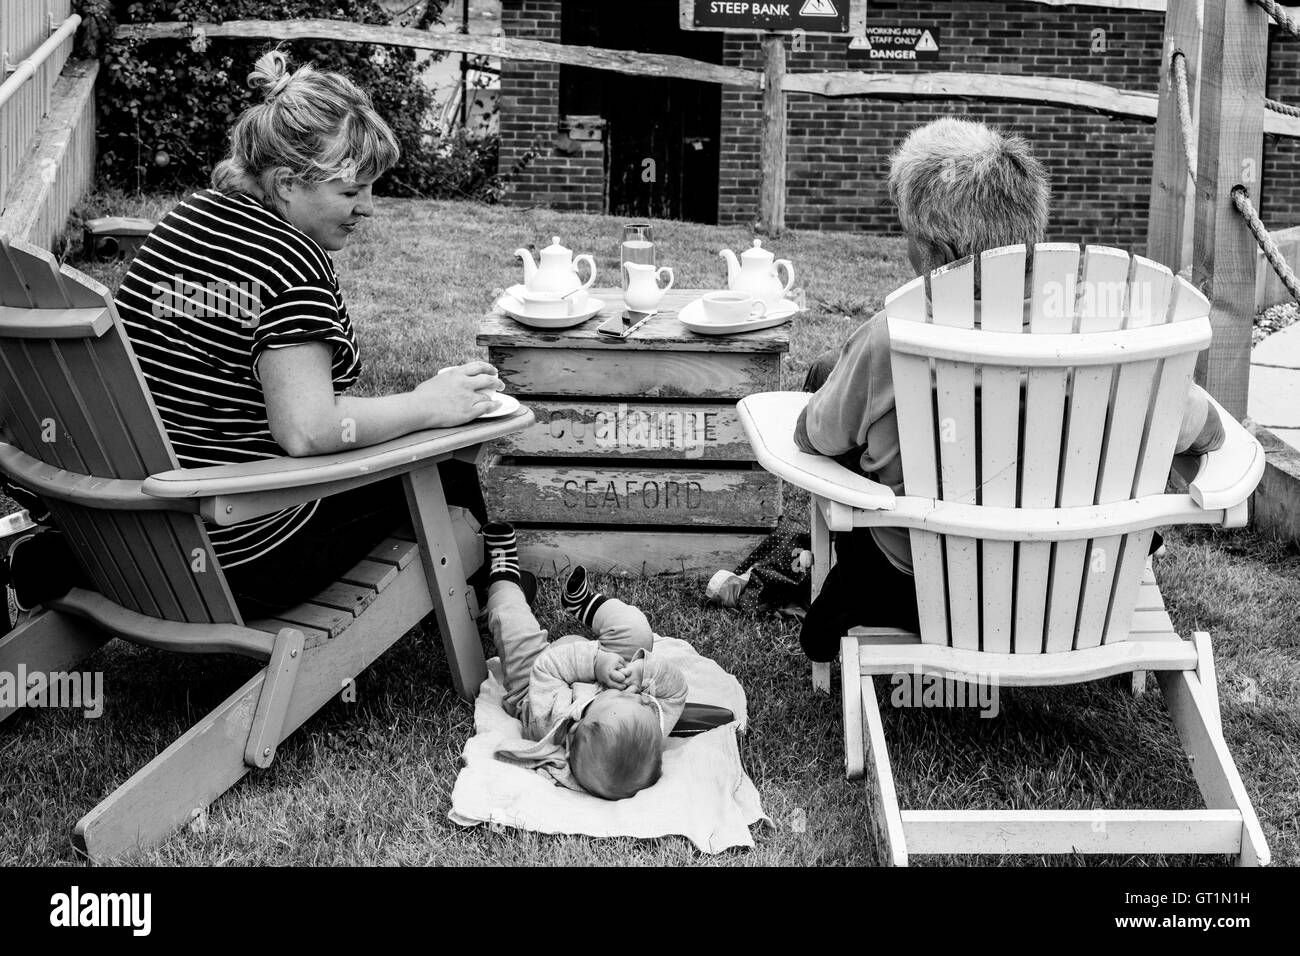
[518, 638]
[622, 628]
[619, 627]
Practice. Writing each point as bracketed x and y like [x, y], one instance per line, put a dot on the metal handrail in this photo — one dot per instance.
[27, 67]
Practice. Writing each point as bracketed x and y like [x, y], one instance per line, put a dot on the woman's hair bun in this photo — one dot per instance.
[270, 73]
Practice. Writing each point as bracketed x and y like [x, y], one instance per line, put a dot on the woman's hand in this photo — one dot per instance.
[458, 394]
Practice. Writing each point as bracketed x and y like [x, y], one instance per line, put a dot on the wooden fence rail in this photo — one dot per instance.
[506, 48]
[986, 86]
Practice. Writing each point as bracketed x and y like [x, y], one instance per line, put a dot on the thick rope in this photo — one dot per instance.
[1241, 199]
[1184, 111]
[1279, 107]
[1280, 14]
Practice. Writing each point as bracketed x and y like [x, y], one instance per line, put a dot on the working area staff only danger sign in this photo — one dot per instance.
[833, 17]
[898, 43]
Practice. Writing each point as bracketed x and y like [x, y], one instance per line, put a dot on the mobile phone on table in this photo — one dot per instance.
[621, 326]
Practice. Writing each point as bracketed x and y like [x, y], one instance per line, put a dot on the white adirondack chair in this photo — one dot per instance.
[1035, 460]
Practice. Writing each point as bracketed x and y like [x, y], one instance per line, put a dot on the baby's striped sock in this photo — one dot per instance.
[503, 552]
[578, 597]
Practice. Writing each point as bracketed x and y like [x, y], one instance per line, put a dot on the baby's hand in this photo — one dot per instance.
[610, 671]
[635, 674]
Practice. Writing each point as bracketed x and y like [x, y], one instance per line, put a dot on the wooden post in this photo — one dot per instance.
[771, 201]
[1234, 63]
[1172, 208]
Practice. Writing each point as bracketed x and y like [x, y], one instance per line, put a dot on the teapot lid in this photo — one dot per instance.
[555, 249]
[756, 251]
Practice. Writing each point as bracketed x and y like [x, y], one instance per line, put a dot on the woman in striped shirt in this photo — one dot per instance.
[234, 310]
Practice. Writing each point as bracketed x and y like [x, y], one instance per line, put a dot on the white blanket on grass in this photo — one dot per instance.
[704, 794]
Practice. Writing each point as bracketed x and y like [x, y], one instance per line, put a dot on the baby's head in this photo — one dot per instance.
[616, 749]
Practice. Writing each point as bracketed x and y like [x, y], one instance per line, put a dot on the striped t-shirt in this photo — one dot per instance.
[220, 279]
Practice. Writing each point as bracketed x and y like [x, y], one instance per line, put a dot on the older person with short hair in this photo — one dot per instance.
[961, 188]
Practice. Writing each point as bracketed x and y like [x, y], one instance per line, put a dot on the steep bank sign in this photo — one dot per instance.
[833, 17]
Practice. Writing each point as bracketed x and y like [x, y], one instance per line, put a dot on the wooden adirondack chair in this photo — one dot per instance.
[1035, 461]
[79, 427]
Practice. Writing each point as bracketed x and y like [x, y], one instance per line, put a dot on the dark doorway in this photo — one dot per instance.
[661, 135]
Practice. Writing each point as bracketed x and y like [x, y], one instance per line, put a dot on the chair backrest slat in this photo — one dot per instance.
[952, 305]
[1101, 301]
[1051, 310]
[81, 404]
[914, 407]
[988, 422]
[1105, 583]
[1002, 309]
[1172, 380]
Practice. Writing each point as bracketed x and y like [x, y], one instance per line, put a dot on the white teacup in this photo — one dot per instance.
[552, 305]
[725, 307]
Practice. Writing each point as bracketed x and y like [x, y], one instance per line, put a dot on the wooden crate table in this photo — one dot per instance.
[637, 463]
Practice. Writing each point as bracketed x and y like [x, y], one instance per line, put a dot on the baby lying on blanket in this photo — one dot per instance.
[596, 713]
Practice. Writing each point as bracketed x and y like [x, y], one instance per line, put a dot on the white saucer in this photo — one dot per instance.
[506, 405]
[693, 317]
[515, 309]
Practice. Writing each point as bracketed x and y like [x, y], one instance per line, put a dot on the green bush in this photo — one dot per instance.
[165, 107]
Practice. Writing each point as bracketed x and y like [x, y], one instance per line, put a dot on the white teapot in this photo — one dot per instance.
[643, 290]
[557, 272]
[755, 273]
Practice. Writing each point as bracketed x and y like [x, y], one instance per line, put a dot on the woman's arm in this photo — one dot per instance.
[307, 418]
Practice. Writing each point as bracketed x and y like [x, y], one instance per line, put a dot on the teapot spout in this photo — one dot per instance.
[530, 267]
[733, 267]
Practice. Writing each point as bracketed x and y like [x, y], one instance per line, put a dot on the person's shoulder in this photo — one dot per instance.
[289, 243]
[870, 334]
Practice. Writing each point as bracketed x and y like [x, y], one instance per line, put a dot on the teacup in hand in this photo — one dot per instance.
[727, 307]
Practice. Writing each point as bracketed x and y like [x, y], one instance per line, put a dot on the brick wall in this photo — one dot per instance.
[539, 175]
[839, 148]
[1281, 206]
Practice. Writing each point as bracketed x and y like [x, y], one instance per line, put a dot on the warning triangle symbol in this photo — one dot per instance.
[819, 8]
[926, 44]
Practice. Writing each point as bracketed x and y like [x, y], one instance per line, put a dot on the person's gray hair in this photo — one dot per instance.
[962, 187]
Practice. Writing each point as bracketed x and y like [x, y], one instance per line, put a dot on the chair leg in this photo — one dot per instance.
[1195, 710]
[208, 759]
[160, 797]
[453, 600]
[823, 558]
[886, 820]
[1138, 683]
[851, 704]
[48, 642]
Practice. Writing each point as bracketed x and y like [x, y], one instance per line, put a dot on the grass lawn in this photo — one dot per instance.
[370, 782]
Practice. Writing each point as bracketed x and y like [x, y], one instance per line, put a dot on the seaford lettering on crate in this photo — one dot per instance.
[75, 908]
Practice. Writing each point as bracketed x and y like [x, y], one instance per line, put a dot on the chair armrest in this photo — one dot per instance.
[769, 421]
[233, 493]
[1225, 477]
[274, 474]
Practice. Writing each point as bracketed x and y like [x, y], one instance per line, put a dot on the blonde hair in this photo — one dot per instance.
[321, 126]
[617, 761]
